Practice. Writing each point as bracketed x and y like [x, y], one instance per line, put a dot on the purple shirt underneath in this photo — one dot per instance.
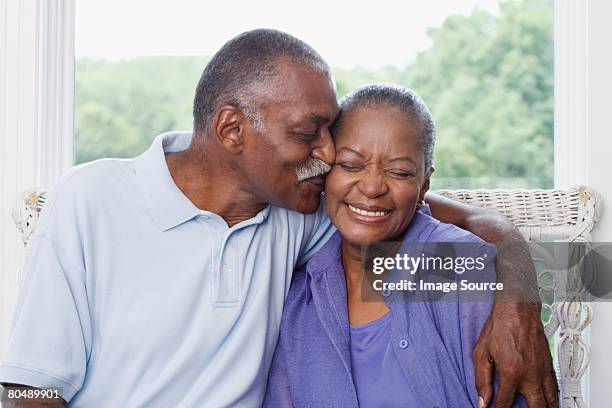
[378, 377]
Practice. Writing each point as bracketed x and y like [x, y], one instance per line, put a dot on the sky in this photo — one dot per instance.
[348, 34]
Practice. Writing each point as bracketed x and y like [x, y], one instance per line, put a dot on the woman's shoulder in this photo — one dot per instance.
[430, 230]
[452, 233]
[299, 301]
[439, 231]
[298, 289]
[298, 306]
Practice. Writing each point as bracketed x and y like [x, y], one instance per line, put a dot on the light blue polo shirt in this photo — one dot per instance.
[133, 297]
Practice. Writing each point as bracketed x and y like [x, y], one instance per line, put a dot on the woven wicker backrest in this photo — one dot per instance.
[539, 214]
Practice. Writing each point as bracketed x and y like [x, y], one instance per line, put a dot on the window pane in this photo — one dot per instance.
[484, 68]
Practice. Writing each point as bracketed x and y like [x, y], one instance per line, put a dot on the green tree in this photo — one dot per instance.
[488, 80]
[122, 105]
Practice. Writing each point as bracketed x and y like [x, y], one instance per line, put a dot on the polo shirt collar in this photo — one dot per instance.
[168, 205]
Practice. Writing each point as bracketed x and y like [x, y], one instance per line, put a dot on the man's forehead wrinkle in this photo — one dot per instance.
[297, 117]
[298, 114]
[289, 96]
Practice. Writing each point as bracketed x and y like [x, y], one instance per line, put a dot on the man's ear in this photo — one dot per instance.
[228, 128]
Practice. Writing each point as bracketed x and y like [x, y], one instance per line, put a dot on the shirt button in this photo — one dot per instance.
[224, 268]
[403, 343]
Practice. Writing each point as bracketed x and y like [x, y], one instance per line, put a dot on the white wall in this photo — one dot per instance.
[583, 144]
[18, 135]
[599, 165]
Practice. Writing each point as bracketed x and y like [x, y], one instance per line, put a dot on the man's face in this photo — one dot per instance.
[295, 135]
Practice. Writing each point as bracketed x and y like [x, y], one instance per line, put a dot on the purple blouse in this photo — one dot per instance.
[423, 352]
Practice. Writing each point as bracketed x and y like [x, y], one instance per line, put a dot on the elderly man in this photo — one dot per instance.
[159, 281]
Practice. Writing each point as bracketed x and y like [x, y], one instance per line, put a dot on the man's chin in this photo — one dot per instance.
[306, 205]
[307, 196]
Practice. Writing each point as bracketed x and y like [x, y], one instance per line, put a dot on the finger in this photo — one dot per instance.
[534, 395]
[506, 392]
[551, 390]
[483, 371]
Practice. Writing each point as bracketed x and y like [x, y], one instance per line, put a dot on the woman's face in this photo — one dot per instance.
[379, 175]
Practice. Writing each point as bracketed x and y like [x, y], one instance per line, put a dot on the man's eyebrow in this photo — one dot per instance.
[348, 149]
[318, 119]
[312, 119]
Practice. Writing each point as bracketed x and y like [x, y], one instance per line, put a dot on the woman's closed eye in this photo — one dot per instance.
[400, 174]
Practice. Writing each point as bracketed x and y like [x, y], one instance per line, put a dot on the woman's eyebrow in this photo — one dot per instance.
[403, 158]
[348, 149]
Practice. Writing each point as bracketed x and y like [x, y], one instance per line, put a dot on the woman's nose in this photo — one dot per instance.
[373, 184]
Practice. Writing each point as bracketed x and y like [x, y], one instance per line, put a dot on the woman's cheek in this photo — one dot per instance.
[405, 197]
[332, 193]
[333, 184]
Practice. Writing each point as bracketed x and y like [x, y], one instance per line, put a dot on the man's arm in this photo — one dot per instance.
[21, 400]
[512, 340]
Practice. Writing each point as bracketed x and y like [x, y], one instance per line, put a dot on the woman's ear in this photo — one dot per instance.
[425, 186]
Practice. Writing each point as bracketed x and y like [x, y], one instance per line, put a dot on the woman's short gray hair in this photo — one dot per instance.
[406, 100]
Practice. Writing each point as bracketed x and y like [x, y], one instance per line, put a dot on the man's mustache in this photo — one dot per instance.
[312, 168]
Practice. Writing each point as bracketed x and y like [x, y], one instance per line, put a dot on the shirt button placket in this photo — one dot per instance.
[227, 275]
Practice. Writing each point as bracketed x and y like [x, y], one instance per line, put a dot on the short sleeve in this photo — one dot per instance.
[50, 335]
[320, 230]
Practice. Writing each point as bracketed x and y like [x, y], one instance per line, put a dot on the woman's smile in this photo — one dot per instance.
[368, 214]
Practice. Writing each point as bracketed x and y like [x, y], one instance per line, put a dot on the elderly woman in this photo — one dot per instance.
[338, 348]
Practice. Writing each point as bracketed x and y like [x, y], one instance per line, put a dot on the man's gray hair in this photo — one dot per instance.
[406, 100]
[244, 65]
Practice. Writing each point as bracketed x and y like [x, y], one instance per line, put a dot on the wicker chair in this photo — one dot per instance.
[540, 215]
[552, 215]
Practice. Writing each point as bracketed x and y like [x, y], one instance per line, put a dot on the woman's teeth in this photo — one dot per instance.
[367, 213]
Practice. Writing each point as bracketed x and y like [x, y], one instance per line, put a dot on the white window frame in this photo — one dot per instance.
[571, 107]
[583, 146]
[571, 92]
[37, 118]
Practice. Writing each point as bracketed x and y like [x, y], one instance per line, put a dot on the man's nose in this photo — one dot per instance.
[372, 183]
[325, 148]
